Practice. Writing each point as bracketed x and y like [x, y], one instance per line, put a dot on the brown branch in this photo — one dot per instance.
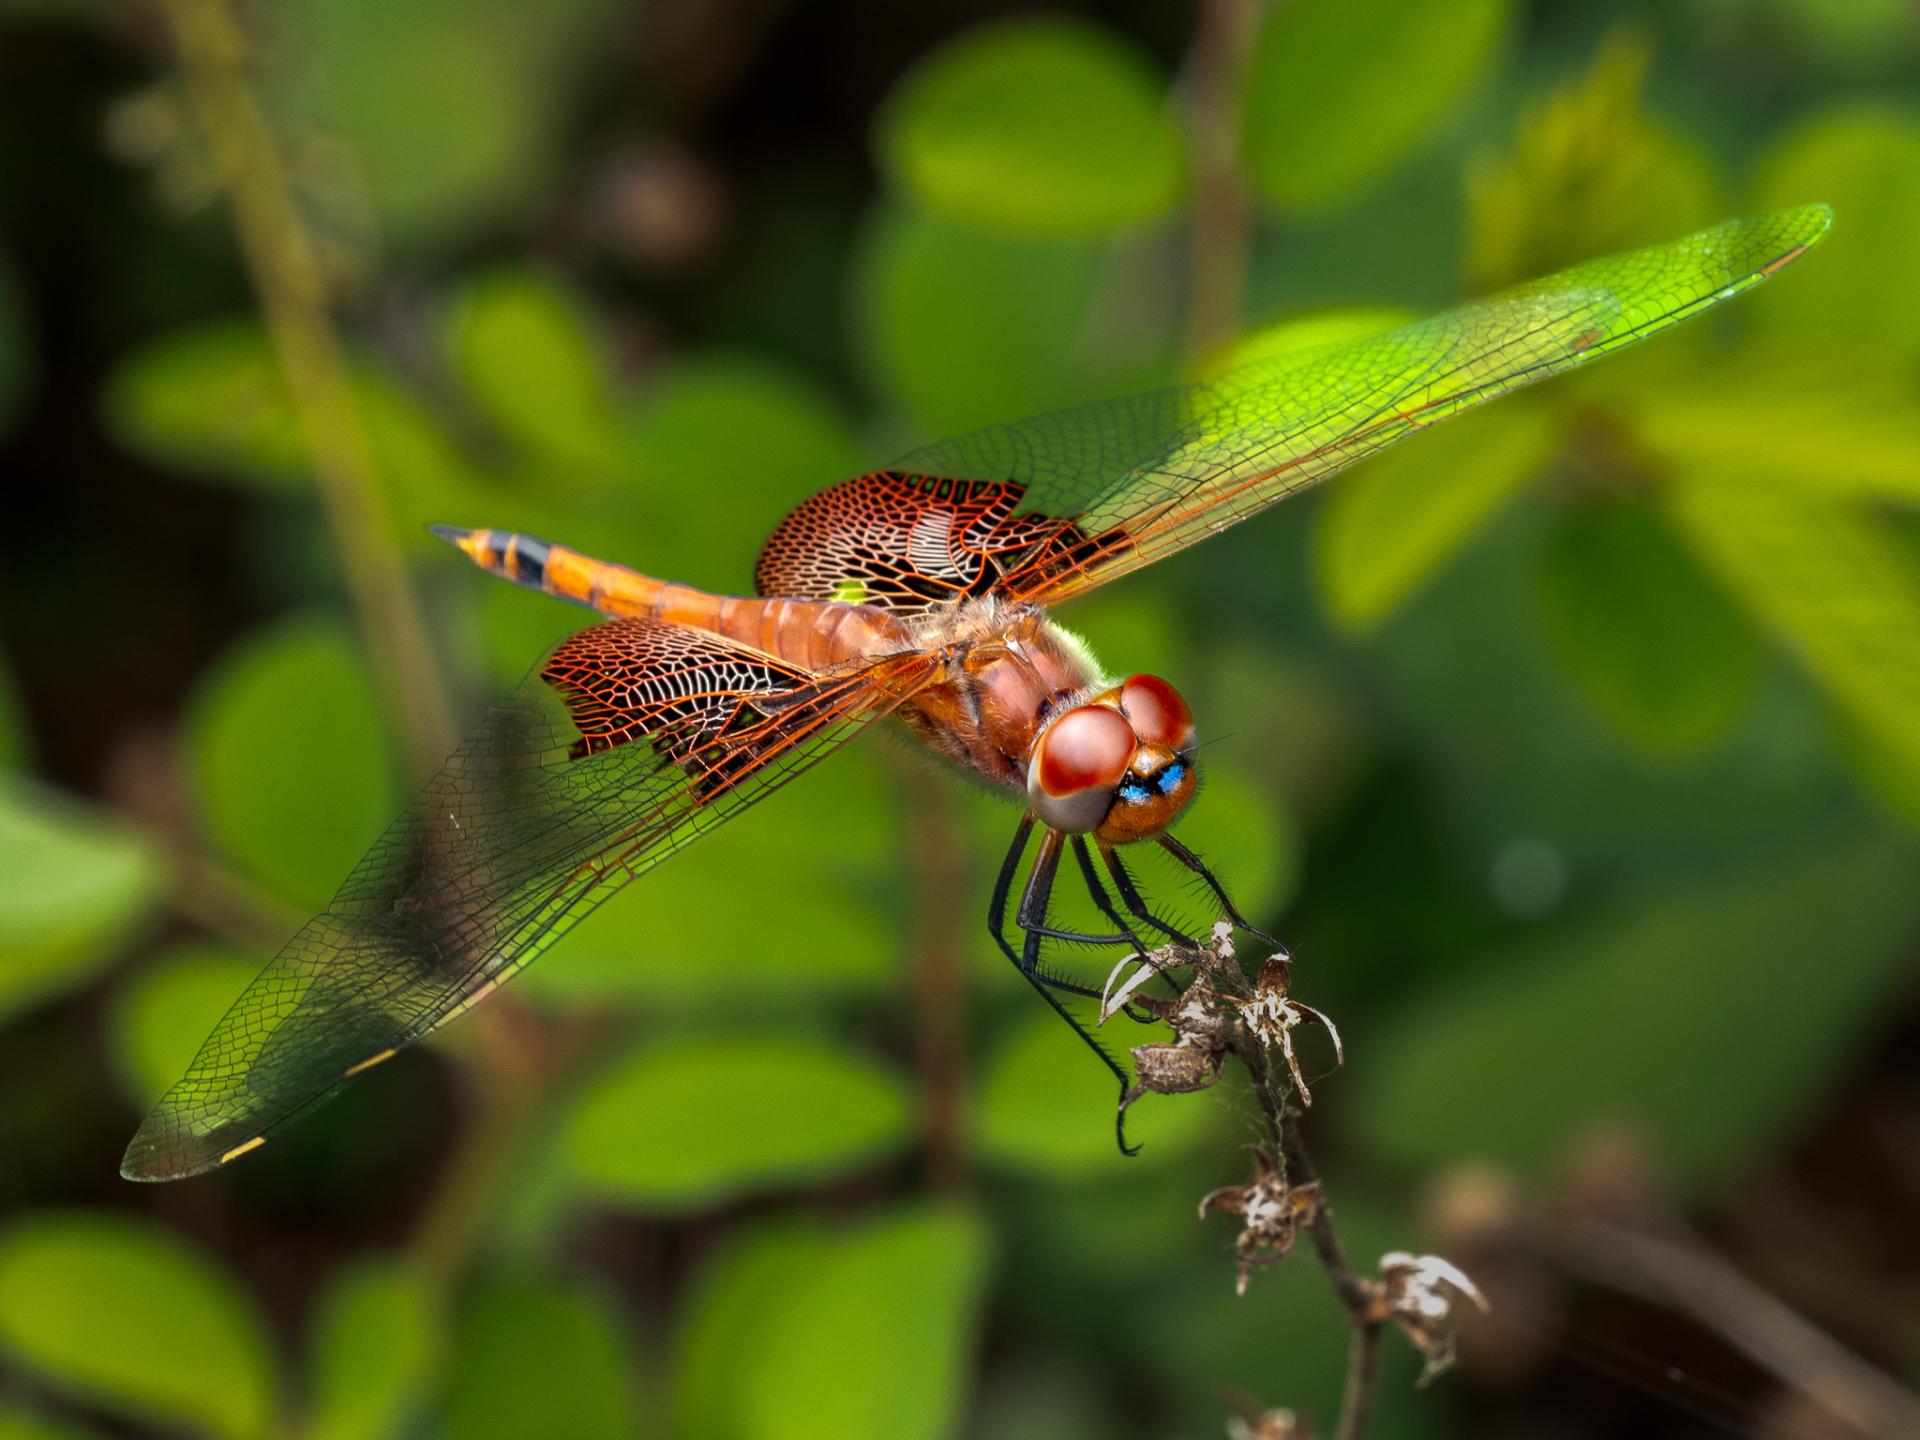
[1222, 224]
[938, 873]
[1359, 1296]
[291, 286]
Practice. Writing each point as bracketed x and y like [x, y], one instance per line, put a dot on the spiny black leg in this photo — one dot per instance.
[1033, 908]
[1003, 885]
[1102, 901]
[1194, 863]
[1038, 899]
[1130, 896]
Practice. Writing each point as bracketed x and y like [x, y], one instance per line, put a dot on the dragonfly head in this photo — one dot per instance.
[1119, 767]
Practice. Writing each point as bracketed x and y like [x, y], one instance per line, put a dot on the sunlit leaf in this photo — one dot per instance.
[1383, 531]
[1829, 582]
[124, 1315]
[1588, 173]
[373, 1350]
[209, 399]
[167, 1007]
[1341, 90]
[526, 350]
[448, 109]
[724, 1322]
[1695, 1018]
[1864, 160]
[685, 1123]
[1786, 415]
[75, 885]
[1041, 126]
[1046, 1103]
[875, 1342]
[963, 328]
[1302, 333]
[723, 446]
[539, 1356]
[1653, 644]
[289, 759]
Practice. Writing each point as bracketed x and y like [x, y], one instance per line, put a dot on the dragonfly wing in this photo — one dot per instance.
[630, 740]
[1084, 495]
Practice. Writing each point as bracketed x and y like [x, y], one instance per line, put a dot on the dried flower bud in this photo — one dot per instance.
[1265, 1425]
[1271, 1213]
[1272, 1016]
[1418, 1293]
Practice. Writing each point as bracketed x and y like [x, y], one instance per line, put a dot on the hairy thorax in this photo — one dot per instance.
[1010, 669]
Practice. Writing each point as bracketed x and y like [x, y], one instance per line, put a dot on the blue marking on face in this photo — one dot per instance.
[1134, 793]
[1171, 777]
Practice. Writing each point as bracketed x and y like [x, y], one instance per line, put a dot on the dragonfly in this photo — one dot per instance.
[922, 592]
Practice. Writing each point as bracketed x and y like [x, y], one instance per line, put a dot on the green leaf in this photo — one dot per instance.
[682, 1124]
[1710, 1021]
[1864, 160]
[1341, 90]
[209, 399]
[962, 328]
[1653, 644]
[1383, 532]
[374, 1349]
[1036, 126]
[450, 110]
[1828, 581]
[832, 925]
[25, 1425]
[524, 345]
[733, 438]
[1588, 174]
[75, 886]
[1785, 417]
[167, 1007]
[539, 1356]
[875, 1342]
[735, 1304]
[16, 355]
[122, 1314]
[289, 757]
[1047, 1104]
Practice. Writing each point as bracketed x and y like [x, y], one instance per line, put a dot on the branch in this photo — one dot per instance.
[292, 290]
[1225, 1012]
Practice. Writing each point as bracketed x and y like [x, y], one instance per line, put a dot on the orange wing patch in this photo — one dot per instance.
[907, 542]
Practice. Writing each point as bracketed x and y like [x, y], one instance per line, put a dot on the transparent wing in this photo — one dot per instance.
[1104, 489]
[630, 741]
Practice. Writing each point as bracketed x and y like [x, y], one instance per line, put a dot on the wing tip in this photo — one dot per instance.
[154, 1155]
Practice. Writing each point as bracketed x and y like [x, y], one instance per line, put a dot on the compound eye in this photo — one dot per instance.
[1078, 762]
[1158, 714]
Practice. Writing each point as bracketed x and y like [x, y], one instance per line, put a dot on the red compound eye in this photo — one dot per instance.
[1084, 749]
[1158, 714]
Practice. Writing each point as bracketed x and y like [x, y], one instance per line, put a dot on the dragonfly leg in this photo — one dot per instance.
[1130, 897]
[1033, 902]
[1198, 866]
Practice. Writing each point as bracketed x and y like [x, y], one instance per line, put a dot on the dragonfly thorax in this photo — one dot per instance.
[1119, 766]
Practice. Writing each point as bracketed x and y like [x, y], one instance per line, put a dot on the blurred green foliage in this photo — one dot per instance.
[1576, 746]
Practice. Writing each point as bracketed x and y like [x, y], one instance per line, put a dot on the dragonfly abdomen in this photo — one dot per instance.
[813, 634]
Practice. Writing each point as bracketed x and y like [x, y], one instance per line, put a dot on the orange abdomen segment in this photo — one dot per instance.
[807, 633]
